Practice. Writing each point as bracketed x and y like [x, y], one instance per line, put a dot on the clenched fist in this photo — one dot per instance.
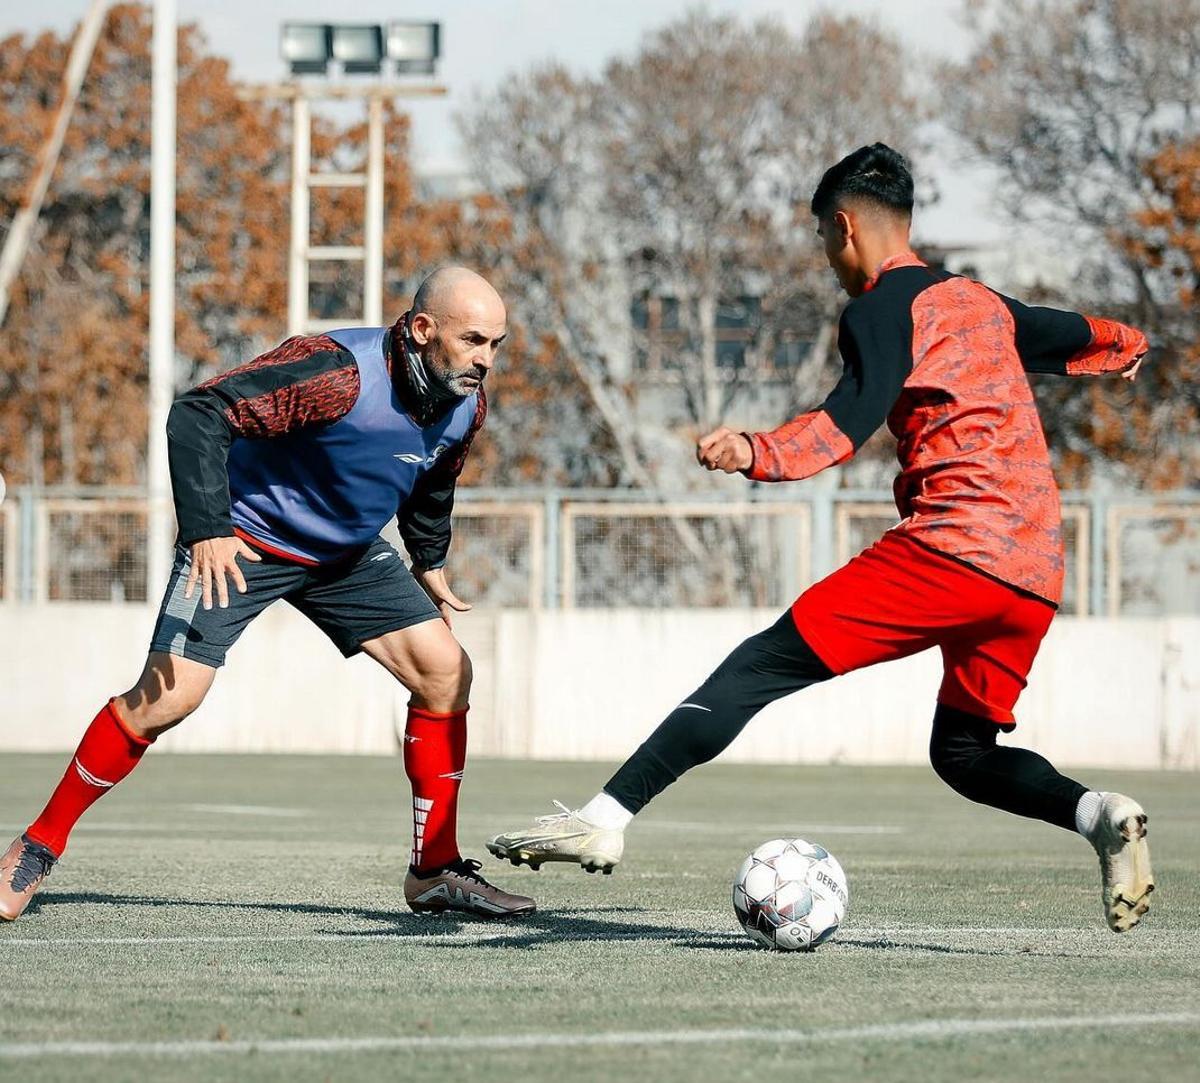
[724, 449]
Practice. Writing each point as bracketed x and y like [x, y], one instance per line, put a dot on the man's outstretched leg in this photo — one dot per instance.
[965, 755]
[112, 746]
[764, 668]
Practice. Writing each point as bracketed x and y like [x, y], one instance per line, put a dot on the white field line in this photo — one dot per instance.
[927, 1030]
[248, 810]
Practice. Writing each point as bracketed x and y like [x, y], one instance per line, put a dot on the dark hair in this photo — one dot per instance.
[875, 173]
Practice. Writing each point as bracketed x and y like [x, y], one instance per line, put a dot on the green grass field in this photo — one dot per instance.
[240, 918]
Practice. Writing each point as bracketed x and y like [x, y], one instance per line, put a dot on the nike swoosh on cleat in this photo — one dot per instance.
[697, 706]
[535, 840]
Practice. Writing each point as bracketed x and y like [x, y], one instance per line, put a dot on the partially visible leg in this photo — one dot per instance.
[965, 755]
[377, 607]
[430, 663]
[985, 673]
[187, 646]
[764, 668]
[112, 746]
[168, 690]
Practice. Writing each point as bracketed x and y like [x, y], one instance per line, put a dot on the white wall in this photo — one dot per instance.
[591, 685]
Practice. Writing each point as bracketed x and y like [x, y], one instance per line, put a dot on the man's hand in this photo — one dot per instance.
[433, 582]
[212, 560]
[1131, 372]
[724, 449]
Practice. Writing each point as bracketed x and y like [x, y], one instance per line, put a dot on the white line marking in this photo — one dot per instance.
[697, 706]
[248, 810]
[929, 1030]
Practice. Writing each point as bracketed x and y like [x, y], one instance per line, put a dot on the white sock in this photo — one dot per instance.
[1087, 812]
[607, 812]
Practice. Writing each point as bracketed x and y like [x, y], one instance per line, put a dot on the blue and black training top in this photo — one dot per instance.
[307, 451]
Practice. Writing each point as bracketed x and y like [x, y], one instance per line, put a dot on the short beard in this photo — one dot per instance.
[446, 382]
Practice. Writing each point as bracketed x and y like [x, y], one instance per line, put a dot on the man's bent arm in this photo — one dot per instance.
[303, 382]
[878, 359]
[1050, 340]
[424, 518]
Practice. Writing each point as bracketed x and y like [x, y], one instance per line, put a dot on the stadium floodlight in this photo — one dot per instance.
[414, 47]
[358, 48]
[307, 47]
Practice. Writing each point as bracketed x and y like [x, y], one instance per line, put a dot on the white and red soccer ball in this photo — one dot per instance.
[790, 895]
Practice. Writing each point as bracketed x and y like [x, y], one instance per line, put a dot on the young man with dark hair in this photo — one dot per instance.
[975, 567]
[284, 471]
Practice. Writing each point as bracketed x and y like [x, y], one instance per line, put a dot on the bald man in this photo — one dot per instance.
[284, 472]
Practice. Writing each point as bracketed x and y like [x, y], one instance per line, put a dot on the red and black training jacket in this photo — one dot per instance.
[943, 360]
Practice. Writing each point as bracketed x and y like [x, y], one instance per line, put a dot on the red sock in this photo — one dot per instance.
[108, 752]
[435, 751]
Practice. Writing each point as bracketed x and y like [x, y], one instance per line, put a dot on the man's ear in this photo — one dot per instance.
[422, 327]
[844, 224]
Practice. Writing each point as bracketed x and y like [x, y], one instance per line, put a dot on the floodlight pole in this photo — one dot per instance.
[298, 252]
[301, 250]
[373, 231]
[162, 295]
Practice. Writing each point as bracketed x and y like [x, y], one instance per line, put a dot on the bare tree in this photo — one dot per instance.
[1075, 118]
[683, 171]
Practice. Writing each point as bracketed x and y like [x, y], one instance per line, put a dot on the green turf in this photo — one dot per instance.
[956, 913]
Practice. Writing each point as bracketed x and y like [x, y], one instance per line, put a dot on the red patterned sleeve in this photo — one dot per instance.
[1061, 343]
[305, 381]
[1113, 348]
[804, 446]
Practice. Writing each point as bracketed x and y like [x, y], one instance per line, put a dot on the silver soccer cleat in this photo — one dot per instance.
[561, 836]
[1120, 841]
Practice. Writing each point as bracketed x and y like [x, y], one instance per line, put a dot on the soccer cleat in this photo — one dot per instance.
[562, 836]
[458, 887]
[23, 867]
[1120, 840]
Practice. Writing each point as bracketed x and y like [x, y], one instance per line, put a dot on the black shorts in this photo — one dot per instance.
[350, 602]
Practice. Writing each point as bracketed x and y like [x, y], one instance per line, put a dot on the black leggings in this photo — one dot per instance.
[777, 662]
[964, 753]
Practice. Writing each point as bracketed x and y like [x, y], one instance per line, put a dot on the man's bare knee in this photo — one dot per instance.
[443, 682]
[166, 693]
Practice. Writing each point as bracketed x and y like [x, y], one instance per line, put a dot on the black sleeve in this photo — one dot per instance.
[1047, 338]
[301, 383]
[875, 341]
[424, 518]
[198, 442]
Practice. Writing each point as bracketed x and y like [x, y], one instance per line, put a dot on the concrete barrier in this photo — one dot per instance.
[591, 684]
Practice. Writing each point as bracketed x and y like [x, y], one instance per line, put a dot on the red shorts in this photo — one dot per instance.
[898, 598]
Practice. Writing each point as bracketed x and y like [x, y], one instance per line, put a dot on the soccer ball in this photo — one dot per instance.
[790, 895]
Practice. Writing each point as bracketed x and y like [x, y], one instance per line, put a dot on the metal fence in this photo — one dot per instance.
[1126, 555]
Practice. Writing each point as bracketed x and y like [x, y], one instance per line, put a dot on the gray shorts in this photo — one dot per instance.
[350, 602]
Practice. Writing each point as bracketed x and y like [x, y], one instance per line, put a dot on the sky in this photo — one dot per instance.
[484, 40]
